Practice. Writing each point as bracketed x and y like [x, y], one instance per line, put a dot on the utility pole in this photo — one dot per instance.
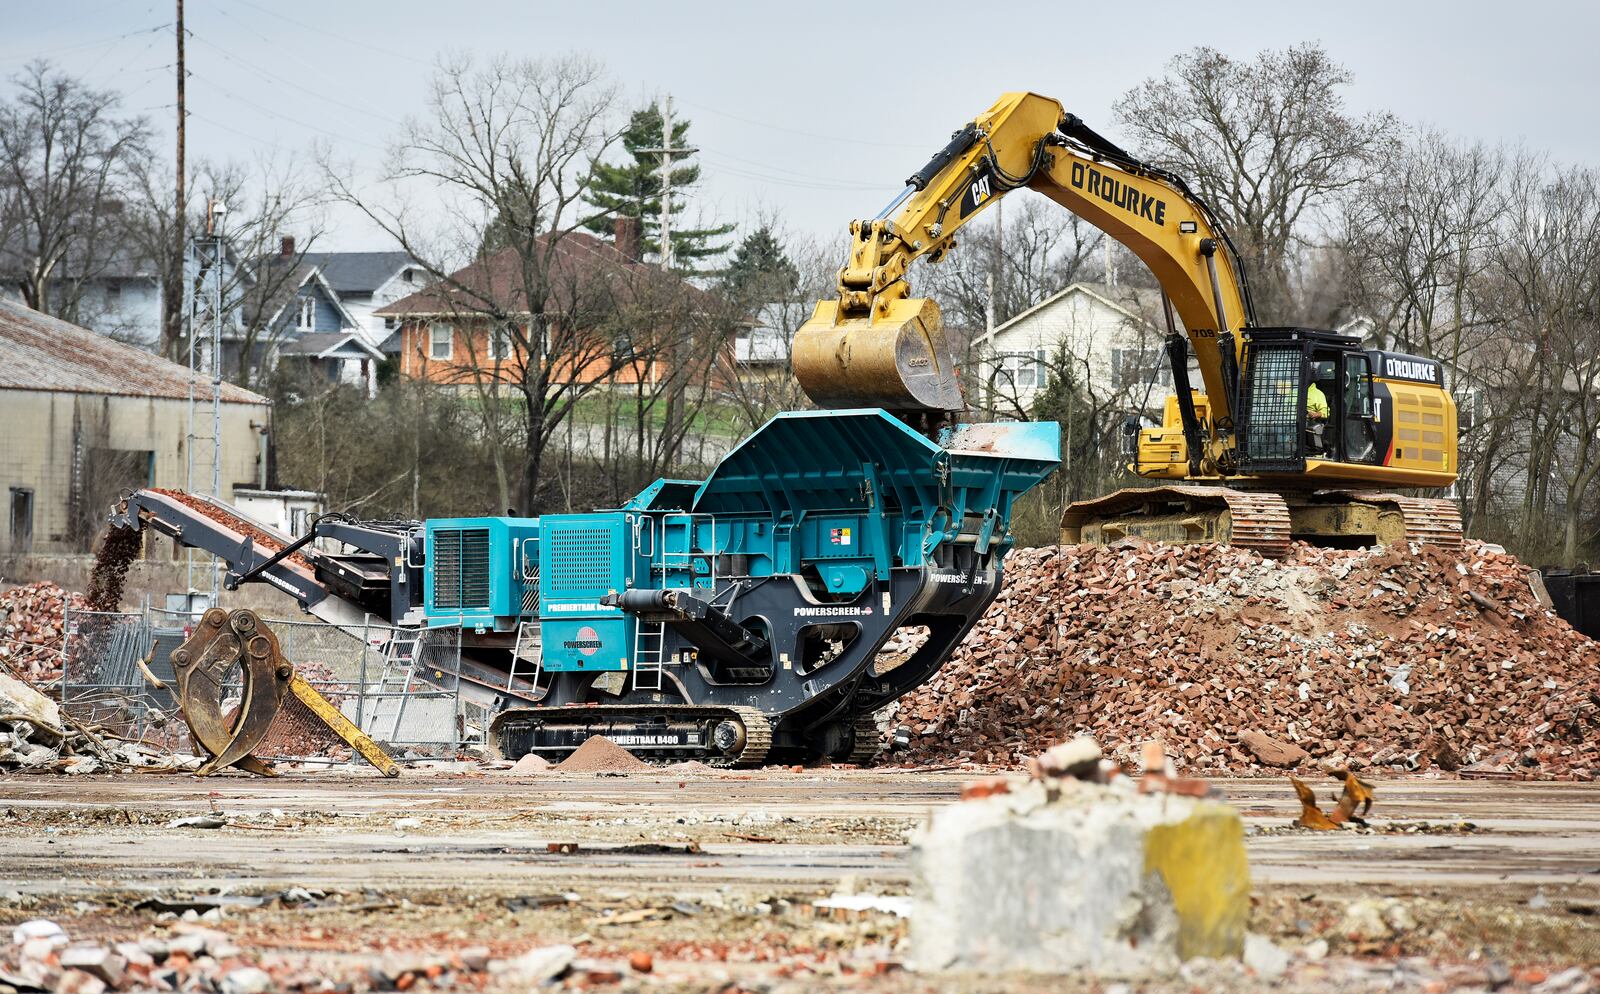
[666, 151]
[172, 312]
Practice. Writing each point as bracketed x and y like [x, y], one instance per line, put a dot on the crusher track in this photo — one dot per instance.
[658, 733]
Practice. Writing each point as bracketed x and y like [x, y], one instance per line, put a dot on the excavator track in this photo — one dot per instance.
[660, 733]
[1260, 520]
[1182, 515]
[1429, 521]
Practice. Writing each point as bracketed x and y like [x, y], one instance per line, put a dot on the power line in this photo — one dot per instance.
[272, 77]
[809, 178]
[341, 135]
[804, 134]
[322, 30]
[100, 41]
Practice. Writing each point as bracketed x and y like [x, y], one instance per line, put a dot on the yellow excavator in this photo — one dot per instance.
[1259, 468]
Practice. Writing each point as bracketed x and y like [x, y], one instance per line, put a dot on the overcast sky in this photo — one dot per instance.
[813, 112]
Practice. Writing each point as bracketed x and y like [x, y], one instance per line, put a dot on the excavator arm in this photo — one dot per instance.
[877, 346]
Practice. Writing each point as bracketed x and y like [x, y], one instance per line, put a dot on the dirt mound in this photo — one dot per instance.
[690, 766]
[530, 764]
[599, 754]
[1405, 658]
[31, 629]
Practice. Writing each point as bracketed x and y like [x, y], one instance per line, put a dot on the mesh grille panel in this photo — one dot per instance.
[461, 568]
[580, 559]
[1272, 436]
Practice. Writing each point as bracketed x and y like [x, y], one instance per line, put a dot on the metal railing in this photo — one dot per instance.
[400, 686]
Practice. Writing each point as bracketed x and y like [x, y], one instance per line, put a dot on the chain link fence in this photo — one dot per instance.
[400, 686]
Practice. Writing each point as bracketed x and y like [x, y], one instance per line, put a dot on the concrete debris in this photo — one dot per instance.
[1264, 957]
[31, 733]
[1063, 873]
[1405, 658]
[39, 929]
[247, 980]
[535, 965]
[886, 903]
[198, 821]
[105, 965]
[1372, 920]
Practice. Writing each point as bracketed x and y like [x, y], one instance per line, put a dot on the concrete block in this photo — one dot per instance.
[1079, 876]
[21, 700]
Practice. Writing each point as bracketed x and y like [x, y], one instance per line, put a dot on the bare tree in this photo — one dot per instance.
[1024, 256]
[762, 383]
[66, 160]
[512, 143]
[1267, 143]
[270, 203]
[1550, 264]
[1418, 259]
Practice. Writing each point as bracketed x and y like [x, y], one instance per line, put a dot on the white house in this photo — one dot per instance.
[367, 281]
[299, 317]
[1109, 337]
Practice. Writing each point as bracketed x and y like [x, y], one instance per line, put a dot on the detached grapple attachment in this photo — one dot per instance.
[203, 665]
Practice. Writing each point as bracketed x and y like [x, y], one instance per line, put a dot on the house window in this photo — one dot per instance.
[114, 294]
[441, 340]
[390, 323]
[1022, 372]
[1140, 367]
[21, 519]
[306, 320]
[409, 276]
[500, 344]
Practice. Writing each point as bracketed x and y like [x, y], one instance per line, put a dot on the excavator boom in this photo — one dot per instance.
[876, 345]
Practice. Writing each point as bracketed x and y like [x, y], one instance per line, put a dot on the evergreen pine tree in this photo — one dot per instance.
[759, 272]
[633, 189]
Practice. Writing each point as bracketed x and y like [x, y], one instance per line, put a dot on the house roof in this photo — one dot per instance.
[39, 352]
[359, 272]
[267, 299]
[326, 344]
[1141, 304]
[578, 261]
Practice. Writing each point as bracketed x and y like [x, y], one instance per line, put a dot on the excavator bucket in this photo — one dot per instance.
[204, 665]
[897, 360]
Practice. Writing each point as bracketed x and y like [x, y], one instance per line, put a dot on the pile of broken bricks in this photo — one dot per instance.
[196, 958]
[1406, 658]
[32, 623]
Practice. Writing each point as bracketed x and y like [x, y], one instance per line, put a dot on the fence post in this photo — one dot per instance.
[361, 691]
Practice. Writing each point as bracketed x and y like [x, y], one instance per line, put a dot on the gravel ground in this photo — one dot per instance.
[715, 879]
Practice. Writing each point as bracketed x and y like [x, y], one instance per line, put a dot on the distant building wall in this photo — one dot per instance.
[64, 456]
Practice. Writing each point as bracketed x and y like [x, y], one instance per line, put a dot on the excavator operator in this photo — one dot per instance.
[1317, 408]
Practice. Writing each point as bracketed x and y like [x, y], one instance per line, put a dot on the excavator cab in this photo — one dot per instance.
[1309, 396]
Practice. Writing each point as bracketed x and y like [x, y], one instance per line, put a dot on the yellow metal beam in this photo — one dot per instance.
[343, 727]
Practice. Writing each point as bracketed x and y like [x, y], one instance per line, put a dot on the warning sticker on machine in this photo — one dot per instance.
[840, 536]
